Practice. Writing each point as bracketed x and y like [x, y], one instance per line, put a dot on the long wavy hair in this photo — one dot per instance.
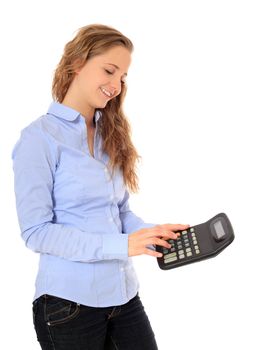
[114, 127]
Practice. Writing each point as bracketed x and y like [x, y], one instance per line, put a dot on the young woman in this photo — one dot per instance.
[74, 168]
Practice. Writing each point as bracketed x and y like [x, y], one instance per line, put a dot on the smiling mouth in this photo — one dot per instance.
[106, 93]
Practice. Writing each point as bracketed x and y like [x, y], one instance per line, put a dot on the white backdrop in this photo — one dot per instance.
[193, 103]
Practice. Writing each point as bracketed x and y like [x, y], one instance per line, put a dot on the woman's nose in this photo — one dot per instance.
[115, 86]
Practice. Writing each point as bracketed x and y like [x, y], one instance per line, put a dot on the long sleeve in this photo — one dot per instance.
[130, 221]
[34, 163]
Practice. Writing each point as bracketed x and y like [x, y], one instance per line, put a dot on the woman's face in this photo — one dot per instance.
[101, 78]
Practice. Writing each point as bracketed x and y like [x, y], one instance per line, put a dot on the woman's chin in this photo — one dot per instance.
[101, 104]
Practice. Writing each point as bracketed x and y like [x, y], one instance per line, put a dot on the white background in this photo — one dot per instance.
[193, 103]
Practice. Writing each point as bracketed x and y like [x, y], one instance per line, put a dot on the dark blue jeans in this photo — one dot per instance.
[61, 324]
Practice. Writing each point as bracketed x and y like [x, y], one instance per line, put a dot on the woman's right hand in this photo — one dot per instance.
[157, 235]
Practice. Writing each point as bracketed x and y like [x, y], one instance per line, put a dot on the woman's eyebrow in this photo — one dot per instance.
[114, 65]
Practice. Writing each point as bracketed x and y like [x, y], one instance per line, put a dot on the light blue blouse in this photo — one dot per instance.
[72, 212]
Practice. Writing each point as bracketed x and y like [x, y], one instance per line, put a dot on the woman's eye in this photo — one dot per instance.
[109, 72]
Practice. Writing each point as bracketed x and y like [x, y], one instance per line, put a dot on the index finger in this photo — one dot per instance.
[175, 227]
[160, 232]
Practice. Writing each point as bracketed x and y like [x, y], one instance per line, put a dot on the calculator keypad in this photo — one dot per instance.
[184, 247]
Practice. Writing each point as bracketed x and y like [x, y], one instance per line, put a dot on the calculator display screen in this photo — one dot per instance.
[219, 229]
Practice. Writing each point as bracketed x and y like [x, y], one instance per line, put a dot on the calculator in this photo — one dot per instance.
[197, 243]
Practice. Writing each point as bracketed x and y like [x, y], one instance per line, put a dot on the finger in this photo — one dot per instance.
[153, 253]
[175, 235]
[160, 233]
[160, 242]
[169, 234]
[175, 227]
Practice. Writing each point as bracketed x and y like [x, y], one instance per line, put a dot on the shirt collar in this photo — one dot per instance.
[64, 112]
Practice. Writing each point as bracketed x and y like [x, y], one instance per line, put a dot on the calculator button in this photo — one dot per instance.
[165, 251]
[172, 249]
[187, 245]
[197, 250]
[184, 232]
[180, 252]
[169, 255]
[192, 229]
[194, 241]
[189, 254]
[188, 250]
[181, 256]
[170, 260]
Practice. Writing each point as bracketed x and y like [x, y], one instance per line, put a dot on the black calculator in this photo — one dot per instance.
[197, 243]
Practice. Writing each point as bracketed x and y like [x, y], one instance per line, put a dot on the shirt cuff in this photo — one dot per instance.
[115, 246]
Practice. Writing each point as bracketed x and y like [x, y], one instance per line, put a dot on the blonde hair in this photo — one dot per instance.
[115, 130]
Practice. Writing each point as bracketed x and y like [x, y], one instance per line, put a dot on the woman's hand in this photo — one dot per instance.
[156, 235]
